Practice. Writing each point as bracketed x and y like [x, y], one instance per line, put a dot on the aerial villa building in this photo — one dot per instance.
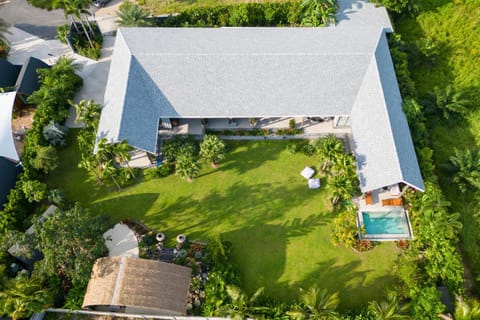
[338, 79]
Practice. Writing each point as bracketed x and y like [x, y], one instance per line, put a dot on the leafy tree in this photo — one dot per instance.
[34, 190]
[389, 309]
[187, 167]
[317, 304]
[466, 164]
[46, 159]
[70, 240]
[212, 149]
[56, 197]
[240, 306]
[24, 296]
[426, 303]
[318, 12]
[122, 153]
[132, 15]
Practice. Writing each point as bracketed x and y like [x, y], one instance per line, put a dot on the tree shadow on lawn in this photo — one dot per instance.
[259, 251]
[126, 207]
[248, 156]
[237, 207]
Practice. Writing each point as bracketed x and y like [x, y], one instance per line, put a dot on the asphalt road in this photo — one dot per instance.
[39, 22]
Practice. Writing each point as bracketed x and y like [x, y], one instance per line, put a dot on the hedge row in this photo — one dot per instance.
[253, 14]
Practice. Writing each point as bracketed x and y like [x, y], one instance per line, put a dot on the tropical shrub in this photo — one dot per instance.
[46, 159]
[132, 15]
[34, 190]
[345, 232]
[212, 149]
[187, 167]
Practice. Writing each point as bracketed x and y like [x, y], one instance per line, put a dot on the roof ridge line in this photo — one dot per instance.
[118, 280]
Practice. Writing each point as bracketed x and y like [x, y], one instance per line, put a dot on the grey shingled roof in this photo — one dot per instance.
[9, 171]
[383, 145]
[266, 72]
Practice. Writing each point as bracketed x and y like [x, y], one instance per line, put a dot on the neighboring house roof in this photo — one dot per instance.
[266, 72]
[28, 81]
[138, 283]
[22, 254]
[7, 145]
[8, 73]
[8, 172]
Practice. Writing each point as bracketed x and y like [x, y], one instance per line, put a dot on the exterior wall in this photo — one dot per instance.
[151, 311]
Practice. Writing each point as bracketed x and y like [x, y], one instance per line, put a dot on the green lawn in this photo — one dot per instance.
[174, 6]
[258, 200]
[454, 27]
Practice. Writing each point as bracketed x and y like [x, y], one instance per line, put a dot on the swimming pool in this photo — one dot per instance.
[386, 225]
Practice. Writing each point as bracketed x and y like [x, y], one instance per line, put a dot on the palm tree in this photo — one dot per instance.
[132, 15]
[466, 310]
[241, 306]
[317, 304]
[3, 30]
[90, 163]
[88, 113]
[390, 309]
[110, 171]
[187, 167]
[122, 152]
[449, 102]
[212, 149]
[23, 296]
[328, 148]
[466, 165]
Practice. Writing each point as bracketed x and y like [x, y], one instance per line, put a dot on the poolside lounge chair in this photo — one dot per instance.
[392, 202]
[307, 173]
[314, 183]
[368, 198]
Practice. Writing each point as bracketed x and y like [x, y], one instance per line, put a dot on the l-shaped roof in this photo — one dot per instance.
[264, 72]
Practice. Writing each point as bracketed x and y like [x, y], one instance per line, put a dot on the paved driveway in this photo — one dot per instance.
[43, 23]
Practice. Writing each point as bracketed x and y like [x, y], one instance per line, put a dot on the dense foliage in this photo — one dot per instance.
[289, 13]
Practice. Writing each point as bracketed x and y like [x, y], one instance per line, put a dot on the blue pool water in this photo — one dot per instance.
[390, 222]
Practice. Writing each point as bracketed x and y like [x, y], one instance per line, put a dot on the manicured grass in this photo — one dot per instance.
[174, 6]
[256, 199]
[454, 26]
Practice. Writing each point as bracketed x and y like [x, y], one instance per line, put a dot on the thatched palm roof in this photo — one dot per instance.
[139, 283]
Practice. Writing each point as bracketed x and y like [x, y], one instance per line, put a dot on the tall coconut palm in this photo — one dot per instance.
[187, 167]
[317, 304]
[110, 172]
[390, 309]
[90, 164]
[122, 152]
[241, 306]
[212, 149]
[132, 15]
[466, 164]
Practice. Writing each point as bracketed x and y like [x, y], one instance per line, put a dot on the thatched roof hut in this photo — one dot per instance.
[140, 286]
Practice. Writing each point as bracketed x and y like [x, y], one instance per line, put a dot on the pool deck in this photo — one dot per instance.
[376, 206]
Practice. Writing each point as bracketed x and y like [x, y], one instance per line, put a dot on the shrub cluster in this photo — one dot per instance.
[58, 86]
[79, 40]
[289, 13]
